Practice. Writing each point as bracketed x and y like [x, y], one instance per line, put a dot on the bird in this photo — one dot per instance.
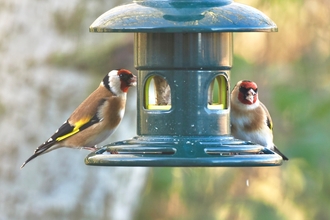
[95, 119]
[249, 117]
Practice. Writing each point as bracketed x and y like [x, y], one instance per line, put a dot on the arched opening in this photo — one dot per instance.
[218, 93]
[157, 93]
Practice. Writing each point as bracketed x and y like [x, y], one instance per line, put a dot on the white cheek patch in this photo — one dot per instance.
[111, 83]
[114, 84]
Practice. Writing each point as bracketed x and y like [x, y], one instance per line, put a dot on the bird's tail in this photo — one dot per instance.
[276, 150]
[44, 148]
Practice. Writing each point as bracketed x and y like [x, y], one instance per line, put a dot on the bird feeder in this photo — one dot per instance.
[183, 53]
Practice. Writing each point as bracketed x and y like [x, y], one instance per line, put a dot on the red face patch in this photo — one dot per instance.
[249, 85]
[247, 92]
[127, 79]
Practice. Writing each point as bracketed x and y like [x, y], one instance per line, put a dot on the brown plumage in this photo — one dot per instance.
[249, 118]
[95, 118]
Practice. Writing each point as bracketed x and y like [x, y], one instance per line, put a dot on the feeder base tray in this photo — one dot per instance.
[150, 151]
[223, 151]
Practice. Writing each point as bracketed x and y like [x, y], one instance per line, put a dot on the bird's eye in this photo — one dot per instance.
[243, 90]
[125, 77]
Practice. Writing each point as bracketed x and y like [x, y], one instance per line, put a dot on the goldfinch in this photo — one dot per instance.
[95, 119]
[249, 118]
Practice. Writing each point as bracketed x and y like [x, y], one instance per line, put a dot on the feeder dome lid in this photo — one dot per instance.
[183, 16]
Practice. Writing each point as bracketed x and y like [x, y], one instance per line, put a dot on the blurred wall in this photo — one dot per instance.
[49, 64]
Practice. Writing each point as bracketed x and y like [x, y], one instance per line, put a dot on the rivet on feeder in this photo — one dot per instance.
[183, 54]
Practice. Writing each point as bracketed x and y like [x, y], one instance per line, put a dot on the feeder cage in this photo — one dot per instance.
[183, 53]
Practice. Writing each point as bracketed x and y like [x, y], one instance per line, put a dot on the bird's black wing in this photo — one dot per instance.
[269, 121]
[65, 131]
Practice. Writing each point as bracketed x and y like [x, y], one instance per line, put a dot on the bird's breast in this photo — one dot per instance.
[112, 112]
[99, 137]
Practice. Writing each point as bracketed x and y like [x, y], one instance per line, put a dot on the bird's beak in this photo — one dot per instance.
[250, 95]
[133, 81]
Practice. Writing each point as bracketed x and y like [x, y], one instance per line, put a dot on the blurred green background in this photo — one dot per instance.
[291, 68]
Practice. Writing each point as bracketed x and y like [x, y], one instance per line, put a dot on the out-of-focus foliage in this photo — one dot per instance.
[99, 58]
[292, 69]
[49, 64]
